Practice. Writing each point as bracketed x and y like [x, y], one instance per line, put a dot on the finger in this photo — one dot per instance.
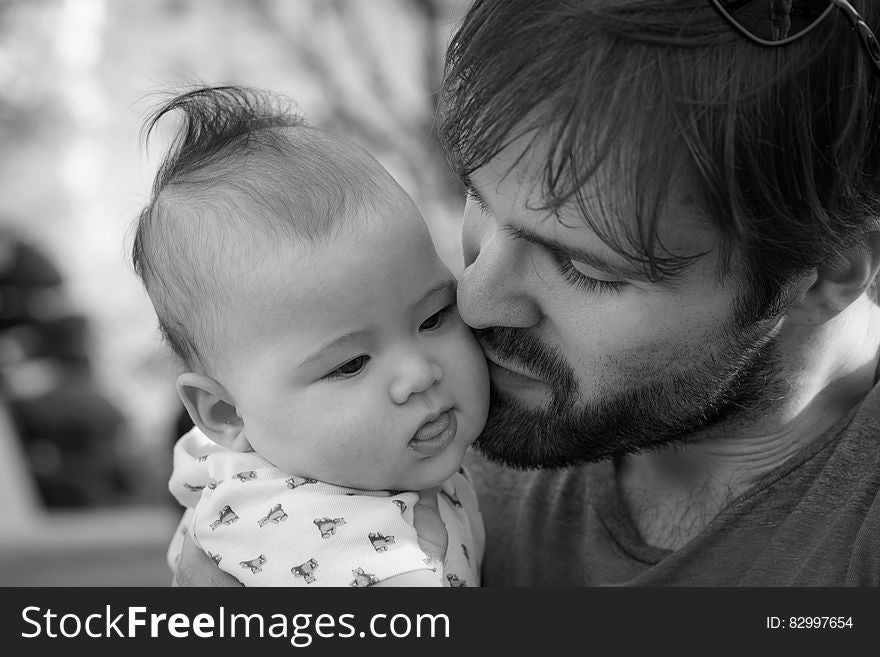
[197, 569]
[432, 534]
[429, 498]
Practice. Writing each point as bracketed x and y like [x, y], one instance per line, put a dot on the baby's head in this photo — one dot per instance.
[299, 286]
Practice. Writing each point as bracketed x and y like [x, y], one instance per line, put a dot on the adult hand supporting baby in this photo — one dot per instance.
[433, 538]
[196, 568]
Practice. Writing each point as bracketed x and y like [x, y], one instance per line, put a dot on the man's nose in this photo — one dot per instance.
[415, 374]
[492, 289]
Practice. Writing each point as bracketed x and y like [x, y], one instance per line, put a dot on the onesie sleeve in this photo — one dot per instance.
[190, 475]
[460, 512]
[189, 478]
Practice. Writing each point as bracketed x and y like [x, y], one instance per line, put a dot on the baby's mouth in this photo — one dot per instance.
[435, 434]
[432, 427]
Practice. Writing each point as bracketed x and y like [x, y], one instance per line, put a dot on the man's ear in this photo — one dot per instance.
[838, 284]
[212, 410]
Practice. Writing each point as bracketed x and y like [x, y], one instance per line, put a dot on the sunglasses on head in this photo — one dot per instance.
[777, 22]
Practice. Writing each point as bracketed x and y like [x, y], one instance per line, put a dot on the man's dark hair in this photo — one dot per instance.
[784, 142]
[242, 164]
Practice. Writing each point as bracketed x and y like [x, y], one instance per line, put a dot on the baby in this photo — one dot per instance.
[327, 371]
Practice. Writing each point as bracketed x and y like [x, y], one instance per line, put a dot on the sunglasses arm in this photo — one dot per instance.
[869, 41]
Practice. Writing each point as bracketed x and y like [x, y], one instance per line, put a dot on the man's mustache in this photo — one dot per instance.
[520, 347]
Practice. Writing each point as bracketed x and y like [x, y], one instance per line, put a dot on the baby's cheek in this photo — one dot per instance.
[359, 436]
[476, 368]
[467, 381]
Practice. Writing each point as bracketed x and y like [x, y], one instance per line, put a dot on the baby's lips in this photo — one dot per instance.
[435, 436]
[433, 427]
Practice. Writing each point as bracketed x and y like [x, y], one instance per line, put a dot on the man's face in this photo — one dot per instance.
[587, 357]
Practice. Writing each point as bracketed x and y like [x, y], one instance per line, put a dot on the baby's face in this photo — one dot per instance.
[348, 361]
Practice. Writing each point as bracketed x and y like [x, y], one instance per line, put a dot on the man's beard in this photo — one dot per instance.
[737, 374]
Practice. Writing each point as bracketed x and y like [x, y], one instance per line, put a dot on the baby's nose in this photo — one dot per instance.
[414, 376]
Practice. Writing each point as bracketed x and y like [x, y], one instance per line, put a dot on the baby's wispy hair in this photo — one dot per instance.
[242, 164]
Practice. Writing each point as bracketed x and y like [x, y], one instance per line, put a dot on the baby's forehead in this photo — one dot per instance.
[309, 196]
[304, 189]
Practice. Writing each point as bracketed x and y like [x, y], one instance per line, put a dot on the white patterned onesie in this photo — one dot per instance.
[269, 528]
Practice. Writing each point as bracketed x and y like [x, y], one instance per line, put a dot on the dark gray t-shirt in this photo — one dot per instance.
[813, 521]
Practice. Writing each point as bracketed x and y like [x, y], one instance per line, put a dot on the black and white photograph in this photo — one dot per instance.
[577, 299]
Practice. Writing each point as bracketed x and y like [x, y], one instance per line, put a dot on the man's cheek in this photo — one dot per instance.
[599, 334]
[620, 356]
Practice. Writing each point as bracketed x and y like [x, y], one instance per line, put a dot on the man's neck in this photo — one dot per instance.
[672, 494]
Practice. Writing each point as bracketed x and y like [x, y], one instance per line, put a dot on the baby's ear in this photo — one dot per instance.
[212, 410]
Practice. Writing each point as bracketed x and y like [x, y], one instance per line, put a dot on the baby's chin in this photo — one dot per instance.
[434, 473]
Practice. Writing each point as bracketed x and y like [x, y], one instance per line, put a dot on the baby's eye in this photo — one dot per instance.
[350, 368]
[436, 319]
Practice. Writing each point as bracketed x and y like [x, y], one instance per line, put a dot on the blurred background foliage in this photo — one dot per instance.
[87, 387]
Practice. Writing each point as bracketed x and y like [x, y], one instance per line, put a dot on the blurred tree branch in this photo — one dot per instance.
[410, 131]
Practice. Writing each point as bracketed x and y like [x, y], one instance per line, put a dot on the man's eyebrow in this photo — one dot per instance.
[586, 257]
[337, 342]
